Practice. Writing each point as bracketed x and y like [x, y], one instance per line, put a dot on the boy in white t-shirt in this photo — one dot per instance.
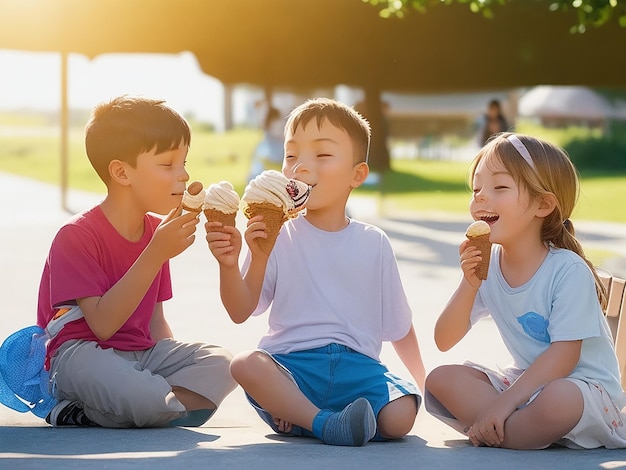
[335, 294]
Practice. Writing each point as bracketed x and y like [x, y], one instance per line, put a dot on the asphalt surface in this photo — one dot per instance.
[426, 248]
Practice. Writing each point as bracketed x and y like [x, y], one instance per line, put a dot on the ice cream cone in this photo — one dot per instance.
[273, 216]
[193, 197]
[483, 244]
[192, 209]
[221, 204]
[478, 234]
[213, 215]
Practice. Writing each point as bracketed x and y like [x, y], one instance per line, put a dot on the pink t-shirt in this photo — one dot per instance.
[88, 256]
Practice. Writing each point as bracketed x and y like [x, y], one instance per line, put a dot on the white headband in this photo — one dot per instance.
[521, 148]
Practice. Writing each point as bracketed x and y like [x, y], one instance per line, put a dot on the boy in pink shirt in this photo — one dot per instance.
[114, 362]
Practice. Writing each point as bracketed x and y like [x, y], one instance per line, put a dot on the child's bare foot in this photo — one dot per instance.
[282, 425]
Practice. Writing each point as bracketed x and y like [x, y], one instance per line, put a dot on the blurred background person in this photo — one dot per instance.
[268, 154]
[493, 122]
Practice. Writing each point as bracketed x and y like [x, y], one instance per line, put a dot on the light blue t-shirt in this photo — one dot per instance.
[559, 303]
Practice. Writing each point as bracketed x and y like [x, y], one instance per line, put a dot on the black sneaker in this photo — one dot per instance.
[68, 413]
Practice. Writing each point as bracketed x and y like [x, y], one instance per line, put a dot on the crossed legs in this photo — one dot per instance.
[467, 393]
[263, 380]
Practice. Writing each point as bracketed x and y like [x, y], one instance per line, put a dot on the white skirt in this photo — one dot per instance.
[601, 424]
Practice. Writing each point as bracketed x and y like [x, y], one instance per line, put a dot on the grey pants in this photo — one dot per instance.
[121, 389]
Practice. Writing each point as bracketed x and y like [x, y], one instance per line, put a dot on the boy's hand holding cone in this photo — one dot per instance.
[478, 234]
[276, 198]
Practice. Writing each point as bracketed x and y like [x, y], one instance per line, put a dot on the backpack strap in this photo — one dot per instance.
[64, 315]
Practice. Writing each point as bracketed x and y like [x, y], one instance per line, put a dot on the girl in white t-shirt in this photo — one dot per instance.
[545, 298]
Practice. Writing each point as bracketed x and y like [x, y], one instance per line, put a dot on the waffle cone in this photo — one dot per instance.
[482, 243]
[192, 209]
[213, 215]
[273, 217]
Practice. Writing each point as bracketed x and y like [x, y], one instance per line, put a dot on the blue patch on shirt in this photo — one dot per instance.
[535, 326]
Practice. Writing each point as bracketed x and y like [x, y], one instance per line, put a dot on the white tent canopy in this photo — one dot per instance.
[564, 102]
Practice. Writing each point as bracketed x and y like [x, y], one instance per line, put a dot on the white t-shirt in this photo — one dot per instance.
[559, 303]
[332, 287]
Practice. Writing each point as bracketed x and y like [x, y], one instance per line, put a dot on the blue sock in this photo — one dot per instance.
[355, 425]
[318, 423]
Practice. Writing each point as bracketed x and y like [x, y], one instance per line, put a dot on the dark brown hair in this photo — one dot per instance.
[125, 127]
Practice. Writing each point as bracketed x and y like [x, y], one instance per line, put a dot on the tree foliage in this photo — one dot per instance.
[589, 13]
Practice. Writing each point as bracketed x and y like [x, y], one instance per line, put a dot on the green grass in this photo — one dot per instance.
[212, 157]
[557, 136]
[222, 156]
[424, 185]
[420, 185]
[412, 185]
[602, 197]
[23, 119]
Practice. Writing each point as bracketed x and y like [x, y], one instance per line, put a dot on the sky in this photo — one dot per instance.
[32, 80]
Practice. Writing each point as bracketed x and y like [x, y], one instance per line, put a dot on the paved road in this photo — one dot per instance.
[235, 437]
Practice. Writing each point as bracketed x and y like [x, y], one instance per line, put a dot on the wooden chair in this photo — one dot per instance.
[615, 316]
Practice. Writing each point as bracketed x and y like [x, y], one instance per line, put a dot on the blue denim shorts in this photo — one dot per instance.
[333, 376]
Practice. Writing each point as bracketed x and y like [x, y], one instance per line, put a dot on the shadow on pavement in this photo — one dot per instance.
[151, 448]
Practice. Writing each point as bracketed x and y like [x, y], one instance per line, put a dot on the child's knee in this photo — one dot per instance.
[250, 365]
[442, 377]
[561, 401]
[397, 418]
[436, 378]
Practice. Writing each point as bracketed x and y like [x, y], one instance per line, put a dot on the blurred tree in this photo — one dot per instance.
[589, 12]
[585, 14]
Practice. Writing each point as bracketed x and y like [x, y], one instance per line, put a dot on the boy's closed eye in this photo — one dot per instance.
[171, 164]
[164, 161]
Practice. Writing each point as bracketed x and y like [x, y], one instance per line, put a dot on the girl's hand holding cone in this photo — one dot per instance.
[477, 235]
